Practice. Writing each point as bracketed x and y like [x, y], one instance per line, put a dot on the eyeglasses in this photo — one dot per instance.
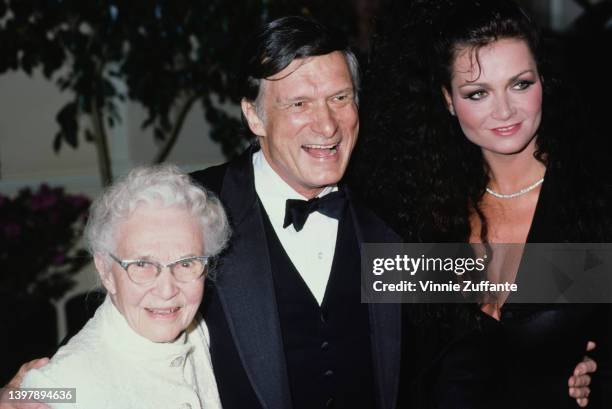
[146, 271]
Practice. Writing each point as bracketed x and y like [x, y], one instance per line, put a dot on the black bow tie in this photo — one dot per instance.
[297, 211]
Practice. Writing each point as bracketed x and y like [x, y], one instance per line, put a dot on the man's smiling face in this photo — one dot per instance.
[308, 122]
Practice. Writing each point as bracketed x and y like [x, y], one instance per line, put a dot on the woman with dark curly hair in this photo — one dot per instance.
[468, 135]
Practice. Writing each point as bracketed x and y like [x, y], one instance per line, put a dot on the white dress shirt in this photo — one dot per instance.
[311, 250]
[111, 367]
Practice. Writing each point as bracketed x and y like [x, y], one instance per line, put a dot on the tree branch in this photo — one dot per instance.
[101, 140]
[166, 148]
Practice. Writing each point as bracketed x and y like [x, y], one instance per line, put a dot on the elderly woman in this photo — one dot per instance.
[152, 236]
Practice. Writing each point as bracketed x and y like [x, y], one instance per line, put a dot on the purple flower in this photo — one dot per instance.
[78, 201]
[44, 198]
[49, 222]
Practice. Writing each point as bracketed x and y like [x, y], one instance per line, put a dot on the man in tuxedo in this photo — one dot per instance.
[287, 326]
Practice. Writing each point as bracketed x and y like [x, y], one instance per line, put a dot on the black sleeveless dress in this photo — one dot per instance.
[457, 357]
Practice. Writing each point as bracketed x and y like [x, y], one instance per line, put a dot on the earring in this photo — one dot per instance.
[451, 109]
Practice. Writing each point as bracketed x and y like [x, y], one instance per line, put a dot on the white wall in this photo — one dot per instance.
[27, 126]
[28, 107]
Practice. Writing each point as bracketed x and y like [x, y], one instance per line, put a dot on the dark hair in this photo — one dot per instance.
[414, 165]
[283, 40]
[475, 24]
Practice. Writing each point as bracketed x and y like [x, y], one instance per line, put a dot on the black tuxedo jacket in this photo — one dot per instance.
[240, 304]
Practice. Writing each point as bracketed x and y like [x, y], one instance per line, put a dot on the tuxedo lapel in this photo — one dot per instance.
[385, 319]
[248, 299]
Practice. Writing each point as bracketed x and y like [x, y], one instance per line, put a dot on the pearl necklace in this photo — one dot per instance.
[515, 194]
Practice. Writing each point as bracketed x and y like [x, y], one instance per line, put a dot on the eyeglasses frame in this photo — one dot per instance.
[126, 263]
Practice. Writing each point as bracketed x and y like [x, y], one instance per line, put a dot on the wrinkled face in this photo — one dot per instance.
[161, 310]
[498, 102]
[309, 124]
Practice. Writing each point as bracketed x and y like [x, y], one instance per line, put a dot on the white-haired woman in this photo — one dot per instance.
[152, 235]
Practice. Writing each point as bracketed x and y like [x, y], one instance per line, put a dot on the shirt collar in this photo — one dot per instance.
[273, 191]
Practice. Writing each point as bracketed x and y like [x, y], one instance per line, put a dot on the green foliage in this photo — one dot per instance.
[169, 53]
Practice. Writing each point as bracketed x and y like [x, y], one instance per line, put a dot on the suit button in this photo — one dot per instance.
[176, 362]
[329, 373]
[329, 403]
[323, 317]
[324, 346]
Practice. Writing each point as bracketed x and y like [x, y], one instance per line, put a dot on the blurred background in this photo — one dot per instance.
[89, 90]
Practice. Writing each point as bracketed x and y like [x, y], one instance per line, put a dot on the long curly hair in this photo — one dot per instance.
[413, 164]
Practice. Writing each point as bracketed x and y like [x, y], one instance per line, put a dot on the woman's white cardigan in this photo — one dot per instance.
[113, 367]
